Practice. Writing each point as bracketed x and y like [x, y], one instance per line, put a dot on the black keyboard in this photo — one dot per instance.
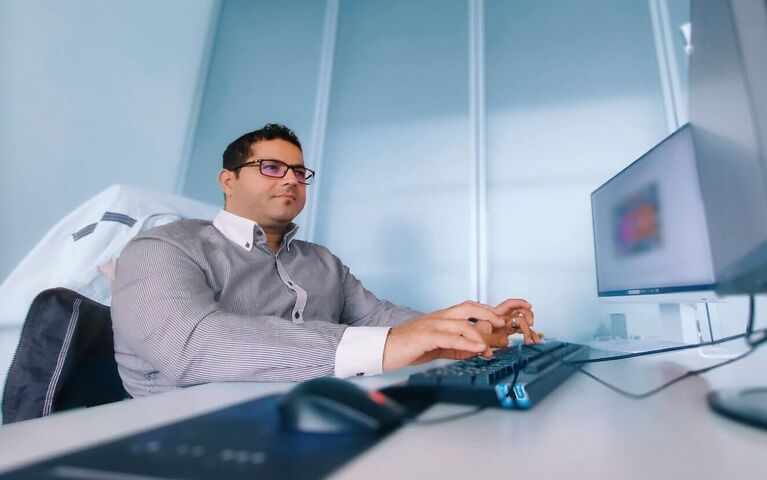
[517, 377]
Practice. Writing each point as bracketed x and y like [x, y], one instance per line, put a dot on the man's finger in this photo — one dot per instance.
[459, 327]
[497, 340]
[484, 326]
[510, 304]
[473, 310]
[494, 337]
[456, 342]
[524, 313]
[527, 331]
[456, 354]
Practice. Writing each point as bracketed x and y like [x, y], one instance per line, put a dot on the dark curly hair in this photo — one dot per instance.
[239, 150]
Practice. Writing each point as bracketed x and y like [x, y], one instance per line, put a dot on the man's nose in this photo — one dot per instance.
[291, 177]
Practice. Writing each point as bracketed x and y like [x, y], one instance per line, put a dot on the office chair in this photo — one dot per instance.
[65, 358]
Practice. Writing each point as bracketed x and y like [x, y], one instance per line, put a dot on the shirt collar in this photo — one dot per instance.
[245, 232]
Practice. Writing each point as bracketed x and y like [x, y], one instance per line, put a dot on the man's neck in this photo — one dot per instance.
[274, 236]
[274, 233]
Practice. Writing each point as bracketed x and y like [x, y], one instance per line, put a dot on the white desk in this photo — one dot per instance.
[581, 430]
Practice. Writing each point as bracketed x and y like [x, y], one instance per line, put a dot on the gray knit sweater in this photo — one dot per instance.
[190, 306]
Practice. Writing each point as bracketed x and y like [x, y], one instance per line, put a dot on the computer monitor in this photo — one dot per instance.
[650, 235]
[728, 113]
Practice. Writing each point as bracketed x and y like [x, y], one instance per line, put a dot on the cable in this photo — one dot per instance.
[690, 373]
[750, 323]
[637, 396]
[750, 332]
[671, 349]
[447, 418]
[514, 383]
[708, 321]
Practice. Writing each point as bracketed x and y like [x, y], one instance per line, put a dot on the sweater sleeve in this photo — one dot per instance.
[363, 308]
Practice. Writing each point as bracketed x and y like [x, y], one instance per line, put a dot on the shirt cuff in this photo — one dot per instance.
[360, 351]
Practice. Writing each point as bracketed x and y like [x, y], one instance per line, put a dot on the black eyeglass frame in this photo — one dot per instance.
[308, 173]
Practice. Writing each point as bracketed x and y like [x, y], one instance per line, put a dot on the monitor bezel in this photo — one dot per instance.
[691, 293]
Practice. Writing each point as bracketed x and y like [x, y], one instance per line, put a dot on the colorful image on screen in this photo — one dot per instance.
[637, 222]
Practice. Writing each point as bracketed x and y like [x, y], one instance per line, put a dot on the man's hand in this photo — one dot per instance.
[459, 332]
[518, 317]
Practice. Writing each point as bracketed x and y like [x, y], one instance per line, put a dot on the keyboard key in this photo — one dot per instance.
[541, 363]
[459, 379]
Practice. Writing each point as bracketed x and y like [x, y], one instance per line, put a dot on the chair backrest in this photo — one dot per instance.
[65, 358]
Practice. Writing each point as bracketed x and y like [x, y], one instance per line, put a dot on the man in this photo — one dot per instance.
[238, 299]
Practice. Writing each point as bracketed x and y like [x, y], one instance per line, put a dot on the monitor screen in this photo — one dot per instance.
[650, 233]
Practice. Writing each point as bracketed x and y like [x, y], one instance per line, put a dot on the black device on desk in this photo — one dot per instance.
[262, 438]
[517, 377]
[330, 405]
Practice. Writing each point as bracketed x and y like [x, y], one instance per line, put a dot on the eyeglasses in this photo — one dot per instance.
[278, 169]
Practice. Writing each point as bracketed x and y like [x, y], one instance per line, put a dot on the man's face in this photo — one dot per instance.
[271, 202]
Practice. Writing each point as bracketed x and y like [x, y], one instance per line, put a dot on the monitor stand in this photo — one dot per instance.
[747, 405]
[679, 323]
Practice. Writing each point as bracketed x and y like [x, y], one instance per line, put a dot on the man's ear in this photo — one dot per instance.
[226, 180]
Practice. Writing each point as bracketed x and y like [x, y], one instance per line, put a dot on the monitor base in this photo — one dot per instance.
[720, 352]
[747, 405]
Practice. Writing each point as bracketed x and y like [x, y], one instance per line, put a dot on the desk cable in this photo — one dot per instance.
[649, 393]
[754, 338]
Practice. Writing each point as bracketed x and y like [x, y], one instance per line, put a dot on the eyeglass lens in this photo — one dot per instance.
[278, 169]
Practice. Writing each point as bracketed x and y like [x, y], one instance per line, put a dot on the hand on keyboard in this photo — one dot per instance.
[450, 333]
[457, 333]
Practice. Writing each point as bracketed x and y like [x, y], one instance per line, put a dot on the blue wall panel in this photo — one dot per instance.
[573, 96]
[92, 93]
[264, 68]
[394, 196]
